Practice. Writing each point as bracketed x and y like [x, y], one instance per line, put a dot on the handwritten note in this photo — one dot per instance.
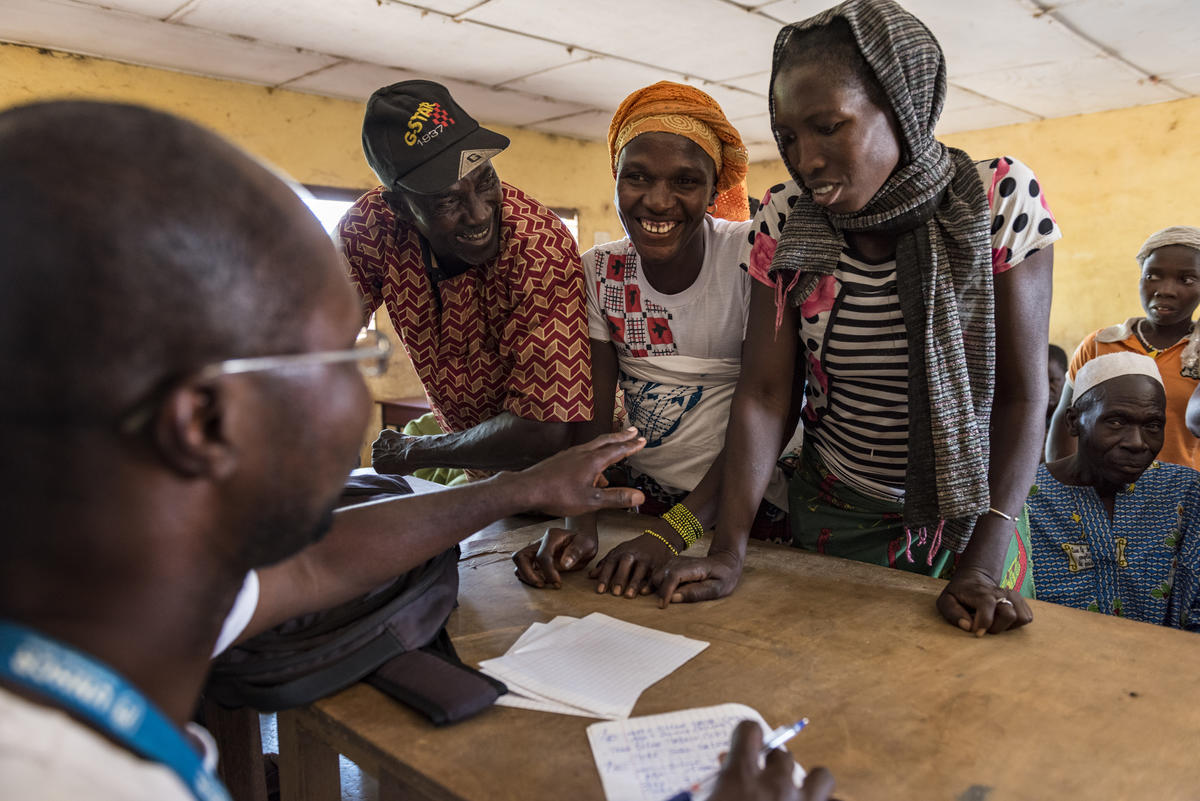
[652, 758]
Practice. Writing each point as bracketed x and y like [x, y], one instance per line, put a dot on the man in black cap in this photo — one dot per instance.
[483, 284]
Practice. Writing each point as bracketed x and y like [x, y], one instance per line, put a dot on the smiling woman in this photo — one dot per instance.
[666, 314]
[664, 184]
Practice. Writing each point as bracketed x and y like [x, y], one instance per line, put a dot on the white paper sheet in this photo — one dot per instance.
[597, 665]
[419, 485]
[654, 757]
[517, 698]
[519, 701]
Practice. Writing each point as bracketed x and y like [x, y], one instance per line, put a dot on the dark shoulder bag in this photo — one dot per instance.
[394, 638]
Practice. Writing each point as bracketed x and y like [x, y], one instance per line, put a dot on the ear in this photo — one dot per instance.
[1073, 421]
[191, 429]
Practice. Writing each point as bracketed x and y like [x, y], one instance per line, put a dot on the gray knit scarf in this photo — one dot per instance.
[943, 270]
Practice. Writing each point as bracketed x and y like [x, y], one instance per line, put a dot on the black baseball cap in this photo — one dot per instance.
[417, 138]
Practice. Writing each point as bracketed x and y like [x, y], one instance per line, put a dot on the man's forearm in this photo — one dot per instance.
[1059, 443]
[424, 526]
[376, 541]
[505, 442]
[372, 542]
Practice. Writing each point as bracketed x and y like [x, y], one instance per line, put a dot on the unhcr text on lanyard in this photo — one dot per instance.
[95, 693]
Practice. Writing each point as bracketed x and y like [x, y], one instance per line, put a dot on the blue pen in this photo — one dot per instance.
[703, 788]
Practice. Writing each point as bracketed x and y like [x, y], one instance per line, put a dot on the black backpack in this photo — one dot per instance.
[394, 638]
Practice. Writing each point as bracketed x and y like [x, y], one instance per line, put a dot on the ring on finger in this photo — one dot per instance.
[1000, 601]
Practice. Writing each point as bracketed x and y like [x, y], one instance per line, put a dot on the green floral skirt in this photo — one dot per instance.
[829, 517]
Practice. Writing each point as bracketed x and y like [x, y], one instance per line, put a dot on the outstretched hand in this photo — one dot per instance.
[975, 603]
[570, 482]
[688, 579]
[741, 779]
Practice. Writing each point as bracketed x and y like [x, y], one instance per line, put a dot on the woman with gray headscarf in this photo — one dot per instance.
[913, 285]
[1169, 287]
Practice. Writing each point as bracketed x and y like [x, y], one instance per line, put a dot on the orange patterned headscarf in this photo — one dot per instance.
[686, 111]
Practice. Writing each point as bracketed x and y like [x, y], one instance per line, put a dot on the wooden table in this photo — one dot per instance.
[903, 706]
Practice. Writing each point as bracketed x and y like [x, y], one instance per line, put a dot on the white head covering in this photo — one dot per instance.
[1184, 235]
[1189, 237]
[1112, 365]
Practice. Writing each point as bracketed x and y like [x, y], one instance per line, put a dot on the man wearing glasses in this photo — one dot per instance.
[483, 285]
[187, 422]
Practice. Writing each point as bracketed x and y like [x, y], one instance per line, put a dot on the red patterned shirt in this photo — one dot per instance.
[510, 335]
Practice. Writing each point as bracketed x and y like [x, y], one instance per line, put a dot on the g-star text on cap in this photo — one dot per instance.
[426, 111]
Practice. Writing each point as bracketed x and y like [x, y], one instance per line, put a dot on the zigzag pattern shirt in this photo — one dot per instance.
[510, 335]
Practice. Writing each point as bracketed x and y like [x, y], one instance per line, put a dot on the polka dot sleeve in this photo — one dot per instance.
[1022, 223]
[759, 247]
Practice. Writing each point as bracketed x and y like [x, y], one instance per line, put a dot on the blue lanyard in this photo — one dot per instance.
[94, 692]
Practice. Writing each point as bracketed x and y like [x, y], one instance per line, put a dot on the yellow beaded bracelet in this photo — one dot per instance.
[662, 539]
[684, 522]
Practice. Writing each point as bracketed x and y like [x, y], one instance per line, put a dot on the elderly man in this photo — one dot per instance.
[1113, 530]
[204, 378]
[483, 284]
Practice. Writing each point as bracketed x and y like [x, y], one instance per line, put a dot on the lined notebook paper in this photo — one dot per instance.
[654, 757]
[515, 698]
[595, 666]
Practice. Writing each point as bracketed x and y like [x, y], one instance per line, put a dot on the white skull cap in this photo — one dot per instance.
[1112, 365]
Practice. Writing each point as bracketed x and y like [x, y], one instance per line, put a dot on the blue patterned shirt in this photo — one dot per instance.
[1143, 564]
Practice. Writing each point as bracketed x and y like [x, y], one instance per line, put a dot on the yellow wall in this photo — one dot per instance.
[762, 175]
[1112, 179]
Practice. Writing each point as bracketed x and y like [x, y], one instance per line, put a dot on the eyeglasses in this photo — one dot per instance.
[372, 352]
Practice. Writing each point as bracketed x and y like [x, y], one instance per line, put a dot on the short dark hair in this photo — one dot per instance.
[834, 44]
[138, 247]
[1059, 355]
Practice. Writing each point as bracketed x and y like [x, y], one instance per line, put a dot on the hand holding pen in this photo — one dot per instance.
[741, 779]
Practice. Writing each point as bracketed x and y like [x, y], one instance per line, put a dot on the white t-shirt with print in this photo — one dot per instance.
[679, 354]
[706, 321]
